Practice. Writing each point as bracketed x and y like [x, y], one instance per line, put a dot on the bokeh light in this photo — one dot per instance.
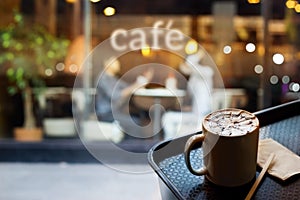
[295, 87]
[60, 67]
[297, 8]
[290, 4]
[191, 47]
[109, 11]
[146, 51]
[285, 79]
[73, 68]
[253, 1]
[274, 79]
[48, 72]
[258, 69]
[227, 49]
[278, 58]
[250, 47]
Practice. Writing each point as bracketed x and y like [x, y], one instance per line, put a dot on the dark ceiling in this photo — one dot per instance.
[192, 7]
[196, 7]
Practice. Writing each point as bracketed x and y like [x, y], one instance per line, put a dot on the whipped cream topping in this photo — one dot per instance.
[231, 122]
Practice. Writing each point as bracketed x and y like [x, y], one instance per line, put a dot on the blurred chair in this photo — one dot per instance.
[55, 106]
[91, 129]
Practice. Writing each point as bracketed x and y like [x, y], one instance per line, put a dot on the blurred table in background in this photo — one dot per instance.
[158, 99]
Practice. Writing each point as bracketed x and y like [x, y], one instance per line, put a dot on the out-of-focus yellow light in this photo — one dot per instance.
[242, 33]
[297, 8]
[191, 47]
[291, 4]
[109, 11]
[95, 1]
[146, 51]
[261, 50]
[253, 1]
[70, 1]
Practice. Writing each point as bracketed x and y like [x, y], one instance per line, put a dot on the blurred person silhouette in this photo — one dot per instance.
[113, 96]
[199, 89]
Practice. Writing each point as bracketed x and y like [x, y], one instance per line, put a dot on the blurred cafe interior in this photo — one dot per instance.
[254, 44]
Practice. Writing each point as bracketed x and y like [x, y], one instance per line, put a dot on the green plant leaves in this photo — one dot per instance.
[26, 51]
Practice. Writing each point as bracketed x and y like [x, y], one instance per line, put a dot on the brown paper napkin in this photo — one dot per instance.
[285, 163]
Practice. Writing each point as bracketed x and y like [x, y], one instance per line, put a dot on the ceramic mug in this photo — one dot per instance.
[229, 140]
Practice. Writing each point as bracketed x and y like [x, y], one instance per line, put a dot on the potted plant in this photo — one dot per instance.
[26, 53]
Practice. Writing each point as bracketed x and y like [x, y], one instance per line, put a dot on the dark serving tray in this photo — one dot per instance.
[282, 123]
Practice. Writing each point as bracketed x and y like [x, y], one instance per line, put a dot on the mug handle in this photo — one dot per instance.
[187, 151]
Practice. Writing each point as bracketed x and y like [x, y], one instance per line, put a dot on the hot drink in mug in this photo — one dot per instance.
[229, 140]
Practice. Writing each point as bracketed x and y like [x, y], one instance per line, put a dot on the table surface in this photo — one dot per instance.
[159, 92]
[173, 172]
